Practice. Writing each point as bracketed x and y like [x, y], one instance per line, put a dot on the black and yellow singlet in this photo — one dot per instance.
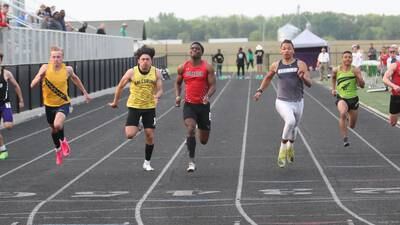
[142, 89]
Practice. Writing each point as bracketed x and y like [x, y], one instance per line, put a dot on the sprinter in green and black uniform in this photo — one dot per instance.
[345, 80]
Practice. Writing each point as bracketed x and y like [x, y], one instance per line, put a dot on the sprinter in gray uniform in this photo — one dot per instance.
[292, 74]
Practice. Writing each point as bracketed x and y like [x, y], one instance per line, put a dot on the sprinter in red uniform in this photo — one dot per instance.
[392, 80]
[200, 85]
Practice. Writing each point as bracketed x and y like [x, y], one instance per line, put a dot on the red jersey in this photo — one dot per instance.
[3, 20]
[196, 82]
[384, 58]
[396, 78]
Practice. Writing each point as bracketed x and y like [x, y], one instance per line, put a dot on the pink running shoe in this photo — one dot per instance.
[59, 157]
[66, 150]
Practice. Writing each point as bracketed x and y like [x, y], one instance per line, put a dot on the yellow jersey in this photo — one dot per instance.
[55, 86]
[142, 89]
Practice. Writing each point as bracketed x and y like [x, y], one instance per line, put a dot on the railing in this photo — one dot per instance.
[96, 75]
[32, 46]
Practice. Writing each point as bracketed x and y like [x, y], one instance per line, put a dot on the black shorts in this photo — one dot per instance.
[200, 113]
[148, 117]
[52, 111]
[394, 107]
[352, 103]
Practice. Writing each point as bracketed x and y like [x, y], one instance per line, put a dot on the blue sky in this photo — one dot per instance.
[134, 9]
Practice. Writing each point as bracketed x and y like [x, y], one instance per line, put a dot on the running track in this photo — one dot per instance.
[237, 181]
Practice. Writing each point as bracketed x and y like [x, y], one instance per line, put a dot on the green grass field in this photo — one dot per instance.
[177, 54]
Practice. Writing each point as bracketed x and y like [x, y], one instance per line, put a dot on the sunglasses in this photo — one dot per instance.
[392, 51]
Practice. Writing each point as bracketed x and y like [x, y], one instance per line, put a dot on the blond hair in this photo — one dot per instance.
[56, 49]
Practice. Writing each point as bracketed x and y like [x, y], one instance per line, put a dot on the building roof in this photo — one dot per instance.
[307, 39]
[135, 28]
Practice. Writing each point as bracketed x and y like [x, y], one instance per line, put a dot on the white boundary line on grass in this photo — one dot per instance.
[394, 165]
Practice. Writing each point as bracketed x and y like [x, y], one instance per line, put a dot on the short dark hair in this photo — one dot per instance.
[286, 41]
[6, 5]
[199, 44]
[347, 52]
[145, 50]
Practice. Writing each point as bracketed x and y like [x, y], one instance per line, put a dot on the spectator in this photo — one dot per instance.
[250, 59]
[259, 60]
[357, 55]
[3, 16]
[101, 29]
[52, 10]
[42, 11]
[69, 27]
[122, 31]
[241, 60]
[218, 60]
[323, 64]
[62, 19]
[392, 55]
[83, 27]
[372, 52]
[54, 22]
[45, 22]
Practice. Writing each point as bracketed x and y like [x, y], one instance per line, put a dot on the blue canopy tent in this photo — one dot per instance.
[307, 46]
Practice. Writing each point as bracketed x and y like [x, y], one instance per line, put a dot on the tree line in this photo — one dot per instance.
[328, 25]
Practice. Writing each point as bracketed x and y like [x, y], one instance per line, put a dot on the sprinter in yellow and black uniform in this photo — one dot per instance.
[145, 90]
[54, 77]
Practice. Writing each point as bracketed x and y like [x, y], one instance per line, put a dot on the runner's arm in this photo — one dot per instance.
[75, 79]
[159, 87]
[118, 90]
[334, 74]
[387, 78]
[360, 80]
[266, 81]
[9, 77]
[212, 84]
[304, 74]
[178, 86]
[39, 76]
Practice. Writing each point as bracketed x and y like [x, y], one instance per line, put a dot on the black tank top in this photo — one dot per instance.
[3, 88]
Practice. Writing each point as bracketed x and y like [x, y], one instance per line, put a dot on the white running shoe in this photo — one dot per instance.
[147, 166]
[191, 167]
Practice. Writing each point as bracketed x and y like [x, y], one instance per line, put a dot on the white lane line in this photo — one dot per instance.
[70, 141]
[358, 167]
[323, 175]
[239, 188]
[47, 128]
[350, 222]
[283, 181]
[139, 204]
[328, 183]
[369, 109]
[38, 206]
[358, 135]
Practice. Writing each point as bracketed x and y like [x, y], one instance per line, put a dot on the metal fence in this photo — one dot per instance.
[96, 75]
[32, 46]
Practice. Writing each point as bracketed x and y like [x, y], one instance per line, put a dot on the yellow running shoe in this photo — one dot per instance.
[3, 155]
[282, 158]
[290, 154]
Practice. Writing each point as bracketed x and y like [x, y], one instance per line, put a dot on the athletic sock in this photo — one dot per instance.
[283, 146]
[61, 134]
[191, 145]
[56, 140]
[148, 151]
